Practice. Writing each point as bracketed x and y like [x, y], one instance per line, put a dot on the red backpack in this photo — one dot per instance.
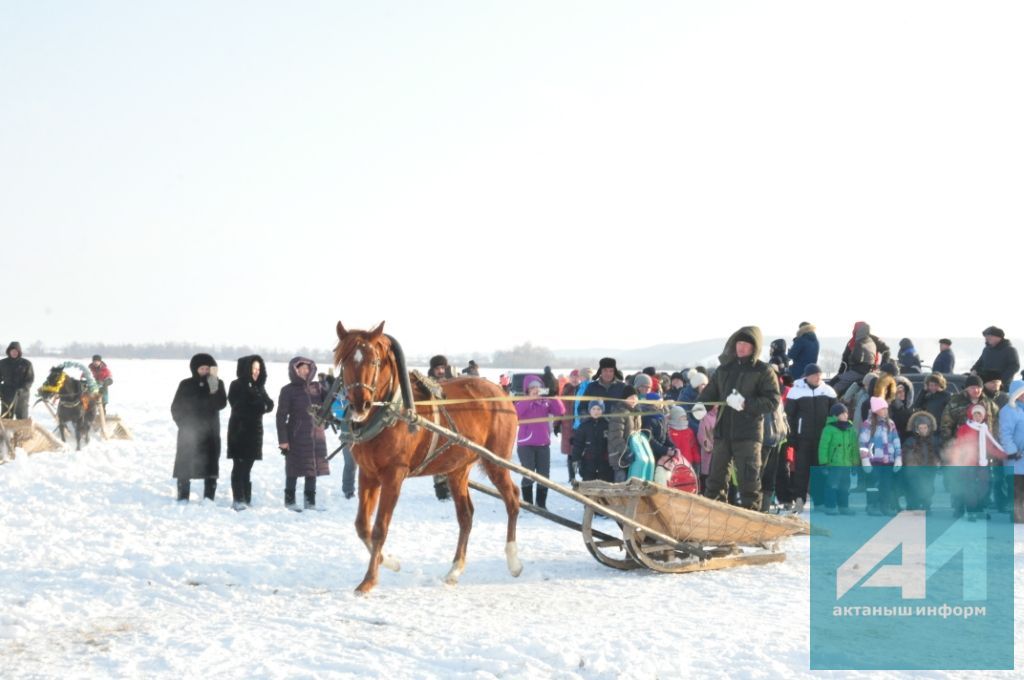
[675, 472]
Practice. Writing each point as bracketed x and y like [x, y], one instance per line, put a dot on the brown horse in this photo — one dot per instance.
[371, 376]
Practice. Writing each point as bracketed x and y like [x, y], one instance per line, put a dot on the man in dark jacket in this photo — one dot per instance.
[945, 360]
[999, 356]
[807, 407]
[804, 350]
[16, 378]
[440, 370]
[750, 389]
[196, 412]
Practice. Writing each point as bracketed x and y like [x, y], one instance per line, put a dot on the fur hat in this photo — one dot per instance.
[877, 404]
[606, 362]
[438, 360]
[973, 381]
[994, 330]
[805, 327]
[811, 369]
[696, 378]
[699, 411]
[677, 419]
[838, 409]
[918, 418]
[643, 383]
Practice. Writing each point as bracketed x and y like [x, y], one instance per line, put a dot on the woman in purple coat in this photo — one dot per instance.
[302, 442]
[534, 441]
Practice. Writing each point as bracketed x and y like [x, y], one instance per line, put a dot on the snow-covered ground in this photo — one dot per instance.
[102, 574]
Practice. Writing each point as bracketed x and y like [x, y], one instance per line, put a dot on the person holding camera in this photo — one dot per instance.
[534, 440]
[196, 411]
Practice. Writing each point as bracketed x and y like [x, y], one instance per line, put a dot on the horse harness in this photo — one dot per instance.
[388, 415]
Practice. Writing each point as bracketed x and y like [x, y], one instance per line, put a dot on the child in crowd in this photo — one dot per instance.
[838, 451]
[590, 445]
[973, 448]
[921, 454]
[881, 456]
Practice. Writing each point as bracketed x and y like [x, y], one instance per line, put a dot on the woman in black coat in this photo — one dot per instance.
[301, 440]
[249, 402]
[196, 412]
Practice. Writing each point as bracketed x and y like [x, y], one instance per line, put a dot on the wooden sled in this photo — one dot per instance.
[27, 435]
[110, 426]
[707, 534]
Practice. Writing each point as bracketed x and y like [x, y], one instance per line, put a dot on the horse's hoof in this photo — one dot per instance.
[515, 567]
[390, 563]
[454, 574]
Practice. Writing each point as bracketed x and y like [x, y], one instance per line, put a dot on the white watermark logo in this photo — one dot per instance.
[920, 560]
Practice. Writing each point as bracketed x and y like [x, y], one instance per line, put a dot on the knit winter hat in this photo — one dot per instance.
[877, 404]
[676, 376]
[677, 418]
[973, 381]
[596, 403]
[642, 382]
[696, 378]
[811, 369]
[838, 409]
[699, 411]
[978, 408]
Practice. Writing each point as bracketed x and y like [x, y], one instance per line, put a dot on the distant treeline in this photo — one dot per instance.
[173, 350]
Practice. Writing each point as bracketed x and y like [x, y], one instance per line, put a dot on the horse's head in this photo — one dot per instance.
[366, 368]
[56, 377]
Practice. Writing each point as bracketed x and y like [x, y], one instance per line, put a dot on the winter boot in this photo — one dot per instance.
[248, 494]
[184, 487]
[441, 488]
[209, 488]
[309, 501]
[528, 494]
[542, 496]
[237, 499]
[289, 501]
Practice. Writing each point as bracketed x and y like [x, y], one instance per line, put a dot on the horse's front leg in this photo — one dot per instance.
[390, 488]
[458, 484]
[369, 493]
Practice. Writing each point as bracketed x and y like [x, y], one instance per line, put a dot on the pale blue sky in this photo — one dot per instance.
[480, 173]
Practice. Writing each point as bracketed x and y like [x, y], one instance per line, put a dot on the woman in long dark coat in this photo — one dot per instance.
[196, 412]
[249, 402]
[302, 442]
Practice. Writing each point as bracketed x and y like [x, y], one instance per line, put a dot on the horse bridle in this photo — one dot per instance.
[372, 387]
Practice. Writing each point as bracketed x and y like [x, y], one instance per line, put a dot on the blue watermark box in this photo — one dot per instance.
[929, 588]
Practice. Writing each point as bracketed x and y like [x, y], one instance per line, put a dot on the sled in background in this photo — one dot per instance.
[27, 435]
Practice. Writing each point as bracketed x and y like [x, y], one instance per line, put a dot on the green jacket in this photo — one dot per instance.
[838, 448]
[755, 380]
